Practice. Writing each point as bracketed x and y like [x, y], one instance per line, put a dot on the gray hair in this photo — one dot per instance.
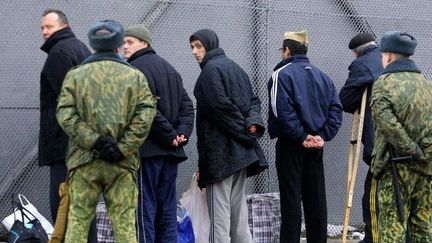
[361, 48]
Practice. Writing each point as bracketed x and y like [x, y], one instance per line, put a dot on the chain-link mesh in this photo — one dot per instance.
[250, 32]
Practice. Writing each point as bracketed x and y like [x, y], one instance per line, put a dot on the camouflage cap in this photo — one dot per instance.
[300, 37]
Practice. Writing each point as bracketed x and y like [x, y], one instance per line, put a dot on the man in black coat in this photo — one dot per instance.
[64, 52]
[363, 71]
[228, 126]
[163, 149]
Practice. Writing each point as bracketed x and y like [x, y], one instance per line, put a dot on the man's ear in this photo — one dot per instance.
[288, 51]
[389, 57]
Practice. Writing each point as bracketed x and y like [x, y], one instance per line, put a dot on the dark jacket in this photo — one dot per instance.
[175, 112]
[64, 52]
[303, 100]
[363, 71]
[226, 107]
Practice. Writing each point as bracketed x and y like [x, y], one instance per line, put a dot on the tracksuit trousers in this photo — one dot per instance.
[157, 205]
[301, 179]
[226, 202]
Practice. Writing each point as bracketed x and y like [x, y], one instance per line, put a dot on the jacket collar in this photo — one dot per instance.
[141, 52]
[293, 59]
[402, 65]
[367, 50]
[64, 33]
[105, 56]
[211, 54]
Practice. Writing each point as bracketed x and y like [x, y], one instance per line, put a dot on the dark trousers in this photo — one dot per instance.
[58, 172]
[301, 179]
[157, 205]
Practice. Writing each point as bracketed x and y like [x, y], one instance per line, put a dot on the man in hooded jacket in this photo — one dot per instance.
[228, 126]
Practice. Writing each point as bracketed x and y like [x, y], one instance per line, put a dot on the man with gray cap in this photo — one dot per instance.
[228, 126]
[304, 112]
[163, 150]
[402, 154]
[106, 108]
[363, 71]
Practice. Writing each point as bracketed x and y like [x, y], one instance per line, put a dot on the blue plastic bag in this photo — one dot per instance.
[184, 226]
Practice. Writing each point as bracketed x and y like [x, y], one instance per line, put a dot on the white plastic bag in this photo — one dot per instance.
[9, 220]
[194, 200]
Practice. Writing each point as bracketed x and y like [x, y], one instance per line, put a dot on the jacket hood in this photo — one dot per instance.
[208, 38]
[210, 55]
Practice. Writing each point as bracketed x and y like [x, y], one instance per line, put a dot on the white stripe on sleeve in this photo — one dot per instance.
[274, 90]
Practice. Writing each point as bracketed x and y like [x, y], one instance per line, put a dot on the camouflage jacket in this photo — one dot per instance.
[105, 97]
[402, 113]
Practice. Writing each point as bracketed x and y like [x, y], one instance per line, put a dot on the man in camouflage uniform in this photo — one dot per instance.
[402, 111]
[106, 108]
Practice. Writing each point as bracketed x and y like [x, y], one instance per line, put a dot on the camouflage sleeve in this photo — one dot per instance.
[69, 119]
[140, 124]
[385, 120]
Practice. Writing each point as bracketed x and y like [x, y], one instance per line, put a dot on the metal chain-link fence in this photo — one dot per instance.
[250, 32]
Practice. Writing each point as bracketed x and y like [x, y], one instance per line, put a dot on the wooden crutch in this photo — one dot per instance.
[353, 161]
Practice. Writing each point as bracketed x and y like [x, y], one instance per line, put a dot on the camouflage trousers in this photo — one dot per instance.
[416, 193]
[119, 189]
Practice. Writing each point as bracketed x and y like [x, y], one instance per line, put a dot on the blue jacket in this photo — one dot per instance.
[363, 71]
[303, 100]
[175, 112]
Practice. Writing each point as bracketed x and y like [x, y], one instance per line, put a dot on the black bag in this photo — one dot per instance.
[30, 232]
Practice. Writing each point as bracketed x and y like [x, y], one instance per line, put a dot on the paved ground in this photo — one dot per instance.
[335, 241]
[304, 241]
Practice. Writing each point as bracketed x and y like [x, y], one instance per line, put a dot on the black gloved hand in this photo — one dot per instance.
[102, 141]
[107, 149]
[111, 153]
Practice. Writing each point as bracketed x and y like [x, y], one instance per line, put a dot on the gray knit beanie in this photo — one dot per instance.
[139, 31]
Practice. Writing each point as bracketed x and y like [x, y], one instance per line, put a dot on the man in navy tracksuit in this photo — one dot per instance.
[304, 112]
[163, 149]
[363, 71]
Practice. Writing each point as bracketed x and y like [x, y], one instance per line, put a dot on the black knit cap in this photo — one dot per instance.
[208, 38]
[360, 39]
